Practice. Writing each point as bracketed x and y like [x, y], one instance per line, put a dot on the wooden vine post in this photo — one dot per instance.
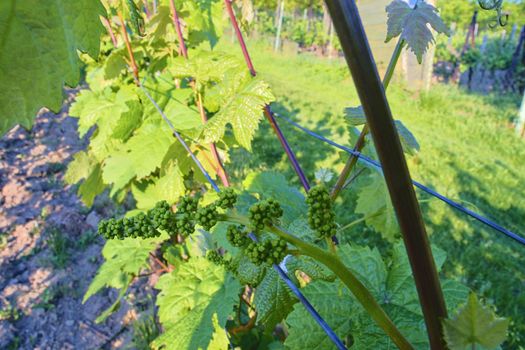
[520, 125]
[350, 31]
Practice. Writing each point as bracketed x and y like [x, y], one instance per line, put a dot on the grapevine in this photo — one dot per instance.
[207, 216]
[215, 257]
[237, 236]
[162, 217]
[264, 213]
[266, 252]
[139, 226]
[227, 199]
[132, 151]
[321, 215]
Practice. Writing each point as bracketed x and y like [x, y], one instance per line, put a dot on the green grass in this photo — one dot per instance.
[468, 153]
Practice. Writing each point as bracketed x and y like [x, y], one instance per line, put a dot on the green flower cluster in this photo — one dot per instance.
[321, 216]
[227, 199]
[264, 213]
[207, 216]
[215, 257]
[186, 210]
[139, 226]
[237, 236]
[266, 252]
[162, 217]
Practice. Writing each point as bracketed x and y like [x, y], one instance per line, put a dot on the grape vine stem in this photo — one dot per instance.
[132, 62]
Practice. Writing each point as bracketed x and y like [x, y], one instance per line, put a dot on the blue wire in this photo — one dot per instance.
[326, 328]
[181, 140]
[331, 334]
[313, 312]
[426, 189]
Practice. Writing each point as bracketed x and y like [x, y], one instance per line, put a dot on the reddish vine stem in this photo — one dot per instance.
[106, 24]
[221, 172]
[220, 168]
[132, 62]
[161, 264]
[267, 110]
[176, 22]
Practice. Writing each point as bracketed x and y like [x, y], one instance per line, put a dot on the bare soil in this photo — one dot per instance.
[49, 250]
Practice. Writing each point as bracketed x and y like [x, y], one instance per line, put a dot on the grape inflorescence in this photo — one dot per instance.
[207, 216]
[139, 226]
[215, 257]
[264, 213]
[237, 236]
[266, 252]
[162, 217]
[227, 199]
[321, 216]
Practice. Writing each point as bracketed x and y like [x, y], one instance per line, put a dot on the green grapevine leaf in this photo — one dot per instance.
[160, 25]
[368, 266]
[273, 300]
[206, 67]
[168, 187]
[219, 339]
[246, 271]
[115, 63]
[308, 266]
[38, 53]
[408, 141]
[140, 155]
[182, 116]
[301, 229]
[79, 168]
[395, 290]
[355, 116]
[89, 107]
[333, 303]
[92, 186]
[204, 19]
[475, 325]
[112, 112]
[85, 167]
[393, 287]
[412, 24]
[123, 258]
[189, 299]
[243, 111]
[375, 204]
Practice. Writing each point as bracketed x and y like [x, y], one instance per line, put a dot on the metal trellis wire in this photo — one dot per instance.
[422, 187]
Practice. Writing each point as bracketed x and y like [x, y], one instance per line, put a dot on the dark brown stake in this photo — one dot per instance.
[349, 28]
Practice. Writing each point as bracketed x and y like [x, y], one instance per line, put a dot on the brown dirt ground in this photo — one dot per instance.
[49, 251]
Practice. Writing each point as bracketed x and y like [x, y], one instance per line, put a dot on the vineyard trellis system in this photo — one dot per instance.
[251, 232]
[351, 28]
